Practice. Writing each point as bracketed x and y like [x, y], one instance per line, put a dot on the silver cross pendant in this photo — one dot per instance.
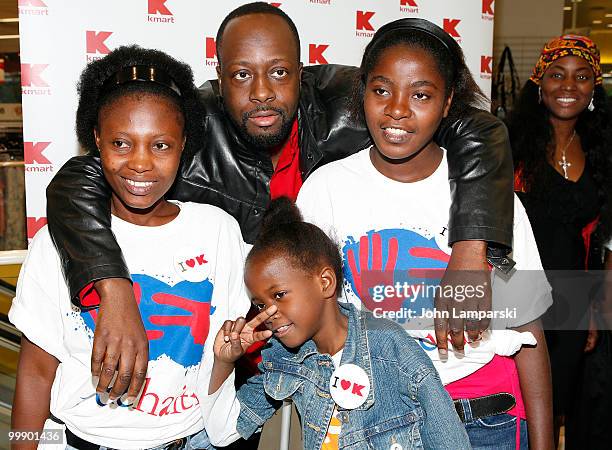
[564, 165]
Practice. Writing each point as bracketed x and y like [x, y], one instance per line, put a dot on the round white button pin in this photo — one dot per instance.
[349, 386]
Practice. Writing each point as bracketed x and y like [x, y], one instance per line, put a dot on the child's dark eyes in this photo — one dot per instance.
[276, 296]
[380, 91]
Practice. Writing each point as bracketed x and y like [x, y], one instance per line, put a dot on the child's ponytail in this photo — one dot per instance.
[282, 211]
[284, 232]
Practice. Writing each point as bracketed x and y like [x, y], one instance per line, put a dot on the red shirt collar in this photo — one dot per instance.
[286, 180]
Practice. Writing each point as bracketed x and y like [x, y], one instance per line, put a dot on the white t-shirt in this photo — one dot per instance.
[187, 277]
[398, 233]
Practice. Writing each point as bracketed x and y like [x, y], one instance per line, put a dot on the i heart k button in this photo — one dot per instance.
[349, 386]
[191, 265]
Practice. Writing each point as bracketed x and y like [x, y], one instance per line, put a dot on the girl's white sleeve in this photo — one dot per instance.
[35, 310]
[220, 410]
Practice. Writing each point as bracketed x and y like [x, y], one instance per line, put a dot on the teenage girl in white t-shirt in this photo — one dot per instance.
[388, 208]
[138, 108]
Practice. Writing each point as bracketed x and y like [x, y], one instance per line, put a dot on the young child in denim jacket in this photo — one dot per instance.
[356, 381]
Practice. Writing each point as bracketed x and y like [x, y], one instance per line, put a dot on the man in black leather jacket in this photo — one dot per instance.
[259, 72]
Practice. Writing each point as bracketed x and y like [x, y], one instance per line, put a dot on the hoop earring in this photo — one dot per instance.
[539, 94]
[591, 106]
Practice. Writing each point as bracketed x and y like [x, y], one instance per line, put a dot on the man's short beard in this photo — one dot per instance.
[265, 141]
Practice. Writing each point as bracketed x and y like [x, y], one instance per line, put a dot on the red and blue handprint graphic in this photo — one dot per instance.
[176, 318]
[402, 261]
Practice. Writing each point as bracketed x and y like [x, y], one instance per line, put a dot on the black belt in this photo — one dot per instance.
[81, 444]
[489, 405]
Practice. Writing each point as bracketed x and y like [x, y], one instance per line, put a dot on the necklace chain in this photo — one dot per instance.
[563, 163]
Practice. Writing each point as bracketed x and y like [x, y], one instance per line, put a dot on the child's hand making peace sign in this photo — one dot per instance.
[234, 337]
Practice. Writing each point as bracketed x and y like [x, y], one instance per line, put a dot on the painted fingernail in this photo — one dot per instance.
[104, 397]
[443, 351]
[95, 380]
[125, 400]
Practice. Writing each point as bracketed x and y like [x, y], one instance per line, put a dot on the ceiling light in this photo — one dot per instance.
[567, 8]
[9, 20]
[597, 22]
[609, 15]
[9, 36]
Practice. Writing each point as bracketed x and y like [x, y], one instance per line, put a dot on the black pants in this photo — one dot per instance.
[588, 424]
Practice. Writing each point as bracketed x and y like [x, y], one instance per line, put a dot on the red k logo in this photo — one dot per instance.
[450, 26]
[95, 41]
[159, 7]
[33, 152]
[363, 20]
[315, 53]
[409, 3]
[38, 3]
[276, 5]
[487, 7]
[485, 64]
[31, 75]
[34, 224]
[211, 48]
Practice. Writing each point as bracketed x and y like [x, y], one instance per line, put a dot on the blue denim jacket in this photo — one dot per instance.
[407, 407]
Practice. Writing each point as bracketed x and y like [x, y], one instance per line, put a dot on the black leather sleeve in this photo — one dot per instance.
[481, 178]
[78, 214]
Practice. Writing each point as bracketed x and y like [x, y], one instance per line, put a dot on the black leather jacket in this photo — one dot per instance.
[230, 174]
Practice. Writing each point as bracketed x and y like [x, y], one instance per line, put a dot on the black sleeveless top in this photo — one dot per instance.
[558, 217]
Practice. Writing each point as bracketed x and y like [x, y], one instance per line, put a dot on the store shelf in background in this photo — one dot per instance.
[8, 280]
[12, 204]
[525, 52]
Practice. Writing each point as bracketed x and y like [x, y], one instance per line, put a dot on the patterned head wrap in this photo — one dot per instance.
[568, 45]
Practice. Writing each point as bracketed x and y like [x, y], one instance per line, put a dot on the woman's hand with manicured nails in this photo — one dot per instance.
[467, 266]
[120, 344]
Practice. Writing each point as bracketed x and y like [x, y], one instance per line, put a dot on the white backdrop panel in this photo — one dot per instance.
[58, 37]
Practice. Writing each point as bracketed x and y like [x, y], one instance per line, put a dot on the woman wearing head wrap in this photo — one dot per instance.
[561, 135]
